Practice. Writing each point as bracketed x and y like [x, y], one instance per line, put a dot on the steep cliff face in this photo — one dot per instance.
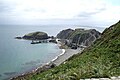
[36, 36]
[80, 36]
[85, 37]
[64, 34]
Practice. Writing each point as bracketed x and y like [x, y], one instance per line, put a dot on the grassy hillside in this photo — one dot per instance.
[100, 60]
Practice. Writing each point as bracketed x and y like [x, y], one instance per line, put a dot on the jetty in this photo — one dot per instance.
[39, 41]
[44, 41]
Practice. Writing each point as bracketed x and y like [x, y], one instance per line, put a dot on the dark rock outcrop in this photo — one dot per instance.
[64, 34]
[36, 36]
[18, 37]
[79, 36]
[53, 41]
[85, 37]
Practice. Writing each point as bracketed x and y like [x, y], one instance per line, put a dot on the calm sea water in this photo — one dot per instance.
[19, 56]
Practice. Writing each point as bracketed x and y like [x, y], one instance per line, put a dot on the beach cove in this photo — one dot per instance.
[61, 58]
[56, 61]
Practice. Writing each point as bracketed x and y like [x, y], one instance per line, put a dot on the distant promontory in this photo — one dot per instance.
[78, 37]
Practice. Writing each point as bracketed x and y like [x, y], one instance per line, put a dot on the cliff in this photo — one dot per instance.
[79, 36]
[64, 34]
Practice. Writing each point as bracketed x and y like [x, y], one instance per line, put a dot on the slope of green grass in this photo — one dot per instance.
[102, 59]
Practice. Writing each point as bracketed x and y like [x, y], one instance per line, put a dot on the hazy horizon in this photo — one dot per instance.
[101, 13]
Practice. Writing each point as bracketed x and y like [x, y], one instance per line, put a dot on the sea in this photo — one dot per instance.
[19, 56]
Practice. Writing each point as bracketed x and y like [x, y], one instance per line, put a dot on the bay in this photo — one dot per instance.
[19, 56]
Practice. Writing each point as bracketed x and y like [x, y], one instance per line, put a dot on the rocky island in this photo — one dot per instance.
[36, 36]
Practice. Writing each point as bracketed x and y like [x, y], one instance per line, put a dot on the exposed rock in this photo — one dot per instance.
[85, 37]
[36, 36]
[79, 36]
[53, 41]
[64, 34]
[18, 37]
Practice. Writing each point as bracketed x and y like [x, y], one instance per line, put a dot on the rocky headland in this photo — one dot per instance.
[78, 37]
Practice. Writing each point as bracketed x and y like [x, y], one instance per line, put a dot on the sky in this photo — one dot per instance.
[99, 13]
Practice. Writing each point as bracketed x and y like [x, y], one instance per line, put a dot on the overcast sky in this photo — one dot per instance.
[84, 12]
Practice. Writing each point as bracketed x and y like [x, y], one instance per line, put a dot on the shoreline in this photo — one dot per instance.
[66, 53]
[63, 52]
[37, 68]
[50, 62]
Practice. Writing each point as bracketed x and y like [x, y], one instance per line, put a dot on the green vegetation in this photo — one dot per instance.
[35, 33]
[99, 60]
[76, 32]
